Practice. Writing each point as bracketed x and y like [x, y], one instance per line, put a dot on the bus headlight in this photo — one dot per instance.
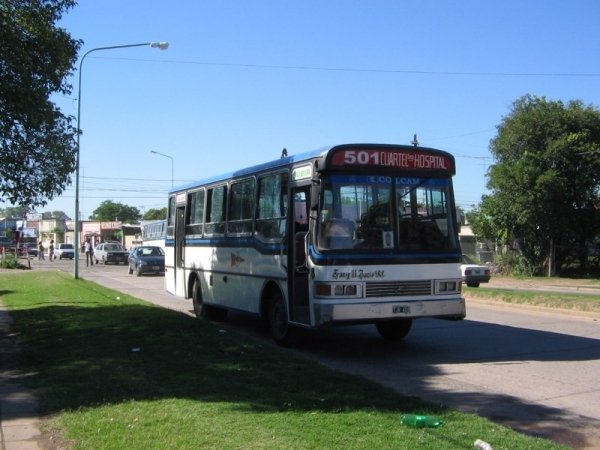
[329, 290]
[447, 286]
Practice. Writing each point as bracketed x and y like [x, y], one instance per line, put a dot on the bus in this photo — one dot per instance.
[349, 234]
[154, 232]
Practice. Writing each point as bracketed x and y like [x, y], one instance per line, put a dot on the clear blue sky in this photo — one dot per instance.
[243, 79]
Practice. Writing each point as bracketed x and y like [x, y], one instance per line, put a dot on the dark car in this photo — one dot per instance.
[147, 259]
[28, 249]
[110, 252]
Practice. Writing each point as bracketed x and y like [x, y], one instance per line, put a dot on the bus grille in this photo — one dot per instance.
[398, 288]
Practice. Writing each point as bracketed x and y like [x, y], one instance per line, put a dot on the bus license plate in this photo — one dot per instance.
[400, 309]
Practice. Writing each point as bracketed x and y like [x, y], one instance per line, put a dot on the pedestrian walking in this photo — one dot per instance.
[89, 253]
[41, 251]
[51, 250]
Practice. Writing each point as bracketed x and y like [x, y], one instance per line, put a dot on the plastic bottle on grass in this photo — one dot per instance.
[420, 421]
[482, 445]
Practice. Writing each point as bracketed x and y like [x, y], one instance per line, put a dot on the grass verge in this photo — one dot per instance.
[556, 300]
[116, 372]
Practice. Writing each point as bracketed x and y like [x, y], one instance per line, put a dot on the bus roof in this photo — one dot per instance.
[305, 156]
[274, 164]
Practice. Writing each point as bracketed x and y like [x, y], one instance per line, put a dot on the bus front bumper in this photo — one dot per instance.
[338, 312]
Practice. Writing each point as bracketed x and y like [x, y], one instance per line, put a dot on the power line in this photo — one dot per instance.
[364, 70]
[133, 179]
[483, 158]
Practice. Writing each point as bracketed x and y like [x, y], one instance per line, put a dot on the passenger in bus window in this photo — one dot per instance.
[337, 234]
[338, 228]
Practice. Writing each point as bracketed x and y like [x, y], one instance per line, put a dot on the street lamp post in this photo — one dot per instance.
[172, 164]
[159, 45]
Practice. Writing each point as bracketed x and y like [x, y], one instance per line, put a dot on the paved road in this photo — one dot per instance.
[535, 371]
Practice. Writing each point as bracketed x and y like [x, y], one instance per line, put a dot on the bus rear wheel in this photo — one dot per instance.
[205, 311]
[281, 331]
[394, 330]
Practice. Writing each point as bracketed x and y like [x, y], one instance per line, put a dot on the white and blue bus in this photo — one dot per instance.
[154, 233]
[350, 234]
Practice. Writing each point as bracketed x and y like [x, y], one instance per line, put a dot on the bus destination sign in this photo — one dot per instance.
[393, 158]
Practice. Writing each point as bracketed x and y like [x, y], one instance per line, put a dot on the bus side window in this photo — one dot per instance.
[195, 213]
[171, 217]
[215, 210]
[271, 213]
[241, 207]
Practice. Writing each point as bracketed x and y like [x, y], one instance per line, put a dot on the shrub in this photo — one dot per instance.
[10, 262]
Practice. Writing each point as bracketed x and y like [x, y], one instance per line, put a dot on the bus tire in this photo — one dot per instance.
[279, 327]
[395, 329]
[201, 310]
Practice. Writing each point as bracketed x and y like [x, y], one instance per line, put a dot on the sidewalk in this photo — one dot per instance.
[19, 423]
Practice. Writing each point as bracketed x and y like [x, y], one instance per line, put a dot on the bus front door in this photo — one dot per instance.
[180, 252]
[297, 263]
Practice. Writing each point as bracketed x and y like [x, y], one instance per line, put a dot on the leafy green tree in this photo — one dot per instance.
[155, 214]
[109, 211]
[545, 182]
[37, 141]
[13, 212]
[59, 215]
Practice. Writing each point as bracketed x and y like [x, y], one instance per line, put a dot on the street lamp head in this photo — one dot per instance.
[172, 163]
[162, 45]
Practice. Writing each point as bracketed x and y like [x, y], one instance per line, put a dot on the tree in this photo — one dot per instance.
[109, 211]
[13, 212]
[37, 141]
[59, 215]
[155, 214]
[545, 182]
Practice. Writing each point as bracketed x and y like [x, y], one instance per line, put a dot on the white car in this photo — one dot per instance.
[474, 273]
[111, 252]
[64, 251]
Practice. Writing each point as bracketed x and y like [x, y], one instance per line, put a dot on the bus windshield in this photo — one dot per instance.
[403, 214]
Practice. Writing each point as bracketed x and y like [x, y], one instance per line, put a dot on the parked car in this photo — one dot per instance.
[147, 259]
[28, 248]
[110, 252]
[474, 273]
[64, 251]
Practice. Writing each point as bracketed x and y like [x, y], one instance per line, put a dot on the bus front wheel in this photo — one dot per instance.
[394, 330]
[205, 311]
[281, 331]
